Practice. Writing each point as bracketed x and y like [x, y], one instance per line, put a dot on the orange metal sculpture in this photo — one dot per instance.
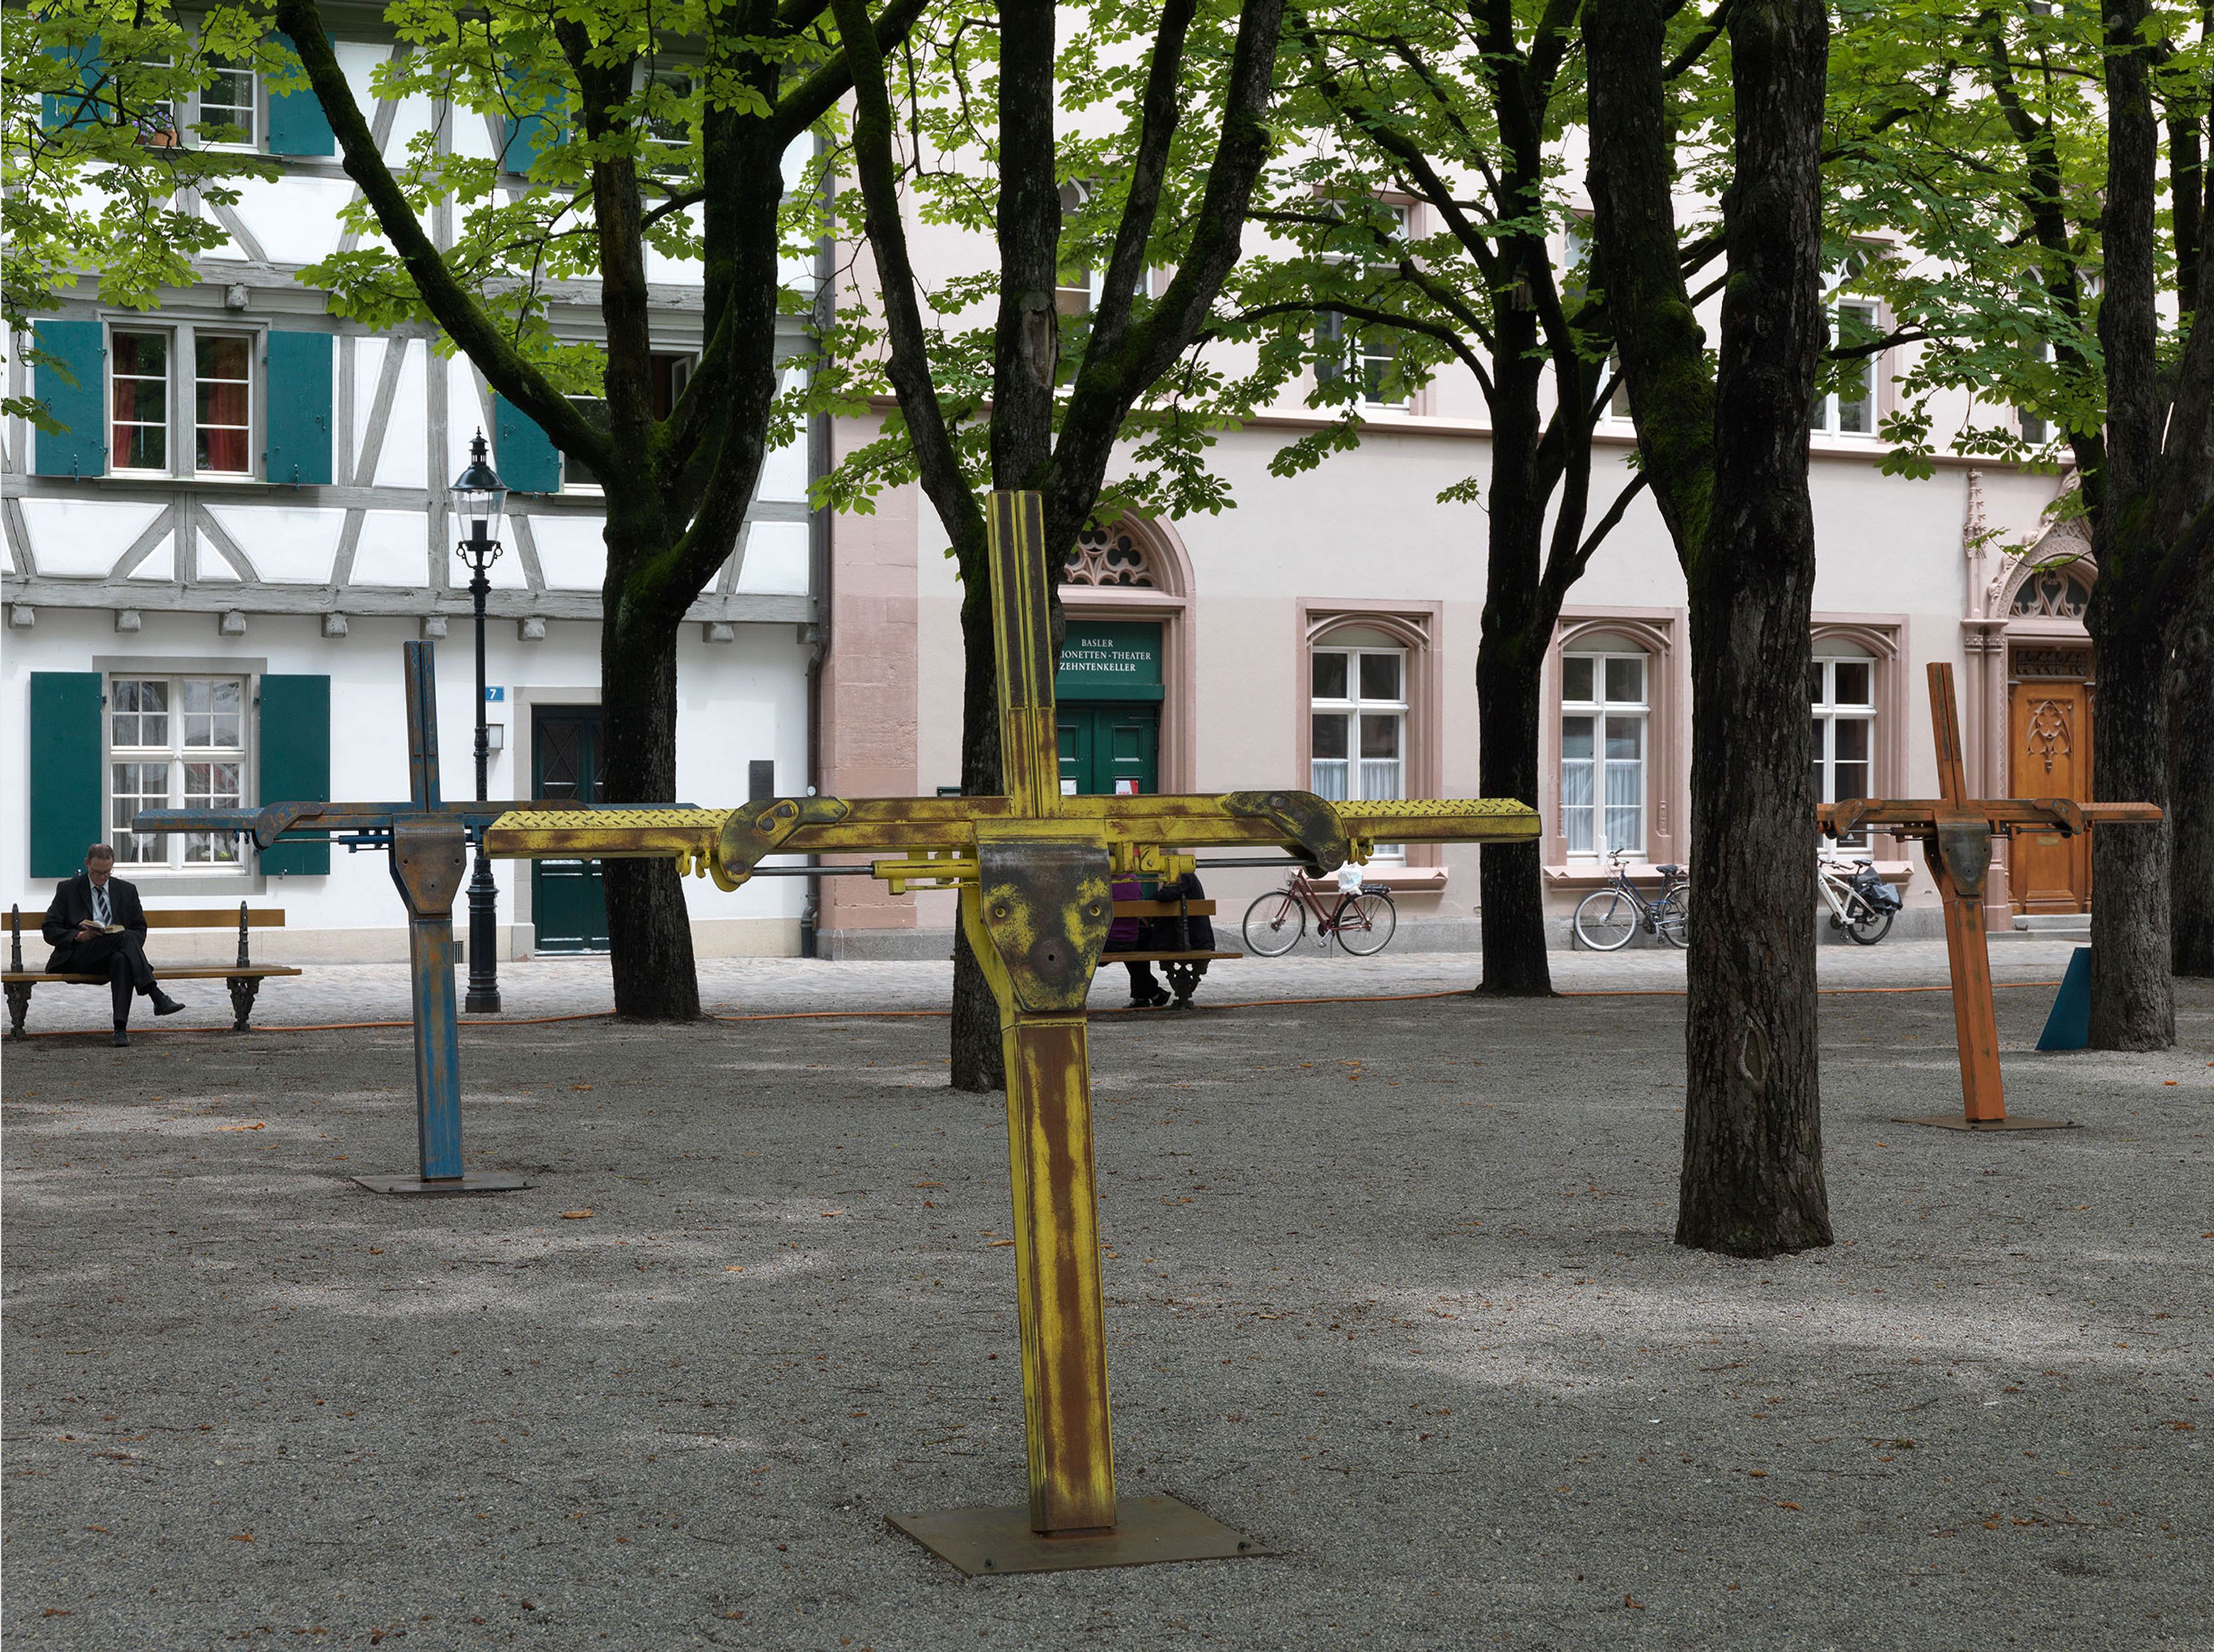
[1956, 832]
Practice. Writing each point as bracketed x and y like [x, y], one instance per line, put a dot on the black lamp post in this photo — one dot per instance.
[478, 497]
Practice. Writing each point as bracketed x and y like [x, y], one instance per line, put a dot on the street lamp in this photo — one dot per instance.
[478, 497]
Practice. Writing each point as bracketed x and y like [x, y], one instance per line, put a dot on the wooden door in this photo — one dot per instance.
[2049, 740]
[568, 902]
[1109, 747]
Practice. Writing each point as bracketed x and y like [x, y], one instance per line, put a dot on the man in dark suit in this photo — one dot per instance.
[97, 927]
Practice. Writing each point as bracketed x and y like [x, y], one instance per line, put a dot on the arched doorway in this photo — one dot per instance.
[2050, 682]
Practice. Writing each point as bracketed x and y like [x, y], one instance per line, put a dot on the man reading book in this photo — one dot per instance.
[97, 927]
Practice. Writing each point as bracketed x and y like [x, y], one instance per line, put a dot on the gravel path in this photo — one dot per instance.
[329, 993]
[1390, 1288]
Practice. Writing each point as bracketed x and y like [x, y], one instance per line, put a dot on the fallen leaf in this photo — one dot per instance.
[1758, 1473]
[574, 1216]
[996, 1244]
[242, 1537]
[105, 1533]
[1635, 1605]
[580, 1086]
[734, 1270]
[1793, 1507]
[257, 1125]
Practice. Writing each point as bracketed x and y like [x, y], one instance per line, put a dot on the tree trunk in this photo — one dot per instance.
[1727, 462]
[977, 1063]
[2132, 990]
[1507, 705]
[649, 929]
[2191, 793]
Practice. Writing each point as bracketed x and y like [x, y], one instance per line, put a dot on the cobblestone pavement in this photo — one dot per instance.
[328, 993]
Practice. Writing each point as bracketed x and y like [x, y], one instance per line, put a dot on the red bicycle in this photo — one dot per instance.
[1363, 921]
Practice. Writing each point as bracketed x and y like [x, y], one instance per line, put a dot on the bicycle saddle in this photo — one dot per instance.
[1669, 871]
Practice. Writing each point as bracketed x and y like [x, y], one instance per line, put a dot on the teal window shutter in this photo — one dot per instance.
[58, 109]
[524, 455]
[296, 123]
[65, 759]
[295, 731]
[299, 403]
[540, 126]
[81, 449]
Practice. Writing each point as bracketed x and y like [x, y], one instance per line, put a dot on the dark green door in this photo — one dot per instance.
[1110, 747]
[566, 762]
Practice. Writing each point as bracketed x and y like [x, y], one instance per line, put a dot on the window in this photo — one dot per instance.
[1605, 712]
[1358, 719]
[2036, 428]
[671, 373]
[1842, 693]
[175, 742]
[227, 104]
[223, 403]
[1576, 255]
[1844, 399]
[138, 400]
[1346, 350]
[1078, 289]
[667, 125]
[156, 118]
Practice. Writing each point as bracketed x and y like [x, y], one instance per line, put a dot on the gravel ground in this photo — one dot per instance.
[580, 986]
[1435, 1349]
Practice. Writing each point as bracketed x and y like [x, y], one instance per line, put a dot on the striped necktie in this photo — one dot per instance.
[99, 904]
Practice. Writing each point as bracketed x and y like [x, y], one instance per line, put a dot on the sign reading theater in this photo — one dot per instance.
[1110, 660]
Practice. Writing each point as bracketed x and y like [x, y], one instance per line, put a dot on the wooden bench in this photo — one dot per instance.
[1181, 966]
[245, 977]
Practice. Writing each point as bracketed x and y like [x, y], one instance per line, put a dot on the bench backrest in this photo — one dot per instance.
[206, 917]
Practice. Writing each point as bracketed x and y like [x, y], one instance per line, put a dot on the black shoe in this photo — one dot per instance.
[163, 1004]
[121, 1040]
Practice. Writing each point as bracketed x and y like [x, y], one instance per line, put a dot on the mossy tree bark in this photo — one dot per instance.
[1725, 454]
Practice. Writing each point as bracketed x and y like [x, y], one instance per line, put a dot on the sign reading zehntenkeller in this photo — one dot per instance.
[1109, 659]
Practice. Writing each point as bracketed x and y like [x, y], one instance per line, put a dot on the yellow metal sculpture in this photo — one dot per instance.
[1034, 869]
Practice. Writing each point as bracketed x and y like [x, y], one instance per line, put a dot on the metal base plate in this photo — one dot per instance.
[1954, 1122]
[474, 1181]
[986, 1542]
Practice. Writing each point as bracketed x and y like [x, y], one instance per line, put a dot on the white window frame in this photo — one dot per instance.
[1367, 354]
[182, 411]
[1576, 245]
[187, 854]
[1829, 712]
[1600, 708]
[1829, 407]
[168, 382]
[252, 339]
[1357, 779]
[253, 124]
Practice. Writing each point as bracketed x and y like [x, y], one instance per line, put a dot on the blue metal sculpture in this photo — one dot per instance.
[428, 841]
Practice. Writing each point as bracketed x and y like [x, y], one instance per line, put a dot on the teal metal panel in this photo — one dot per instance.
[64, 754]
[525, 456]
[295, 731]
[299, 404]
[81, 449]
[539, 123]
[296, 123]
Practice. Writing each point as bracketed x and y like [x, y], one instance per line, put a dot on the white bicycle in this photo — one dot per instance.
[1861, 903]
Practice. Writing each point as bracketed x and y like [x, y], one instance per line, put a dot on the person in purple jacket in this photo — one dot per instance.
[1126, 934]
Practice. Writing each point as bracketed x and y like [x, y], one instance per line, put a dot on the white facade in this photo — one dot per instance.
[253, 489]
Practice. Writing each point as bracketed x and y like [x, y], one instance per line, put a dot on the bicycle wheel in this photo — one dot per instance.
[1866, 925]
[1605, 919]
[1274, 923]
[1671, 915]
[1366, 925]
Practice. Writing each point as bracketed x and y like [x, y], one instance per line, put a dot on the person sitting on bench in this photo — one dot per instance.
[97, 927]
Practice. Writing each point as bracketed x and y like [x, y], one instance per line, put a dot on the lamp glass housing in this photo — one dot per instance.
[480, 497]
